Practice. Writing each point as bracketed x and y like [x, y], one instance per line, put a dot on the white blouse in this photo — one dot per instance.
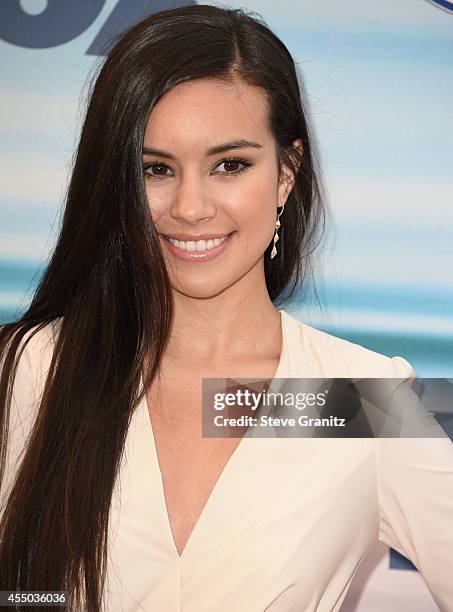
[289, 519]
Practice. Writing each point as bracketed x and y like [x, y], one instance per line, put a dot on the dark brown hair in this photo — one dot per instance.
[107, 293]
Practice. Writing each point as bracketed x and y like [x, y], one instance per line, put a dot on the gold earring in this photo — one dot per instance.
[277, 227]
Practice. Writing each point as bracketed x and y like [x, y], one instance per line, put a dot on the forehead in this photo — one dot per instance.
[208, 111]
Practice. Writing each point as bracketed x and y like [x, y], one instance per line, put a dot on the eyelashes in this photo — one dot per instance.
[228, 160]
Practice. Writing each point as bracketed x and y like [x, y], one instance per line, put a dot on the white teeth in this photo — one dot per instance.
[200, 245]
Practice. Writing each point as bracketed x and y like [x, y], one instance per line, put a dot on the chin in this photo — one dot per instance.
[210, 285]
[199, 292]
[203, 288]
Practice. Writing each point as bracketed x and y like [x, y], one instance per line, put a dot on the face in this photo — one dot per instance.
[211, 178]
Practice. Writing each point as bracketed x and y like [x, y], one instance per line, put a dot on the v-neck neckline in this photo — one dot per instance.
[228, 469]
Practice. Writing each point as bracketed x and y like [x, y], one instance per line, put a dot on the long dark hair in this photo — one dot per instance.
[106, 294]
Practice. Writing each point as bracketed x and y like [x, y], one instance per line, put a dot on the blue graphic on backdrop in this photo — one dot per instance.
[60, 22]
[443, 4]
[398, 562]
[123, 16]
[64, 20]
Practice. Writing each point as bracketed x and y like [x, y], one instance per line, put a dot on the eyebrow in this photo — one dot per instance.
[227, 146]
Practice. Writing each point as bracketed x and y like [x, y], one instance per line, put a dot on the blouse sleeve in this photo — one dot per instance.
[415, 493]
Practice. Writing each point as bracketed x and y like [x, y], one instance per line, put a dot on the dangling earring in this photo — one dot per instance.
[277, 227]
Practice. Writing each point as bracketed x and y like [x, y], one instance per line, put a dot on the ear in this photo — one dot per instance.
[287, 178]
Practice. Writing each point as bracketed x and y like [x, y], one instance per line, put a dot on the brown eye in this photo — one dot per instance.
[231, 166]
[156, 170]
[234, 166]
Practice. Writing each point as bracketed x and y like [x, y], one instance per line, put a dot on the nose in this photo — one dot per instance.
[192, 203]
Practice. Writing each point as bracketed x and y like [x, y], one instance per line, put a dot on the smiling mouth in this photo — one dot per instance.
[198, 246]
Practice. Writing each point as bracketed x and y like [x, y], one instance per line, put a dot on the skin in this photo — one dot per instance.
[225, 324]
[222, 306]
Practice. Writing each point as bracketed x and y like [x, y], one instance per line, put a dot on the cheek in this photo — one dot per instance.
[256, 212]
[156, 203]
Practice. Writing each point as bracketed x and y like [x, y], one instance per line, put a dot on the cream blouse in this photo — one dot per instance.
[289, 519]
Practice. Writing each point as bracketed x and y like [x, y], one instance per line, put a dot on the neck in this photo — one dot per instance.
[233, 324]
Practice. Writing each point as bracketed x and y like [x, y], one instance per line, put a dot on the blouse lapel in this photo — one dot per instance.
[140, 513]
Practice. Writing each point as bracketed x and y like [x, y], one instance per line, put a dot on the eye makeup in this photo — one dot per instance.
[227, 160]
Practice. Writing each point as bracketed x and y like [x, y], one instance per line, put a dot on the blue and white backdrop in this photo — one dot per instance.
[379, 82]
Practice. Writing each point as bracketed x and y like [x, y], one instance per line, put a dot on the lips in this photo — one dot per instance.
[199, 246]
[199, 249]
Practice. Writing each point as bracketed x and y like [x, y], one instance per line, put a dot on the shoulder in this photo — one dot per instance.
[27, 387]
[39, 343]
[35, 353]
[333, 356]
[42, 337]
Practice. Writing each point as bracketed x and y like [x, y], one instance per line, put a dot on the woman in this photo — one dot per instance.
[192, 212]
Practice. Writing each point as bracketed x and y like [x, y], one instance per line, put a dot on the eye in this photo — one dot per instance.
[158, 170]
[231, 164]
